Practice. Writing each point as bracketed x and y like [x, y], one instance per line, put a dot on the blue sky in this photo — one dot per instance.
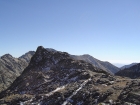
[108, 30]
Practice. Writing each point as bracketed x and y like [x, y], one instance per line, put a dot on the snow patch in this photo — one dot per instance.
[75, 92]
[104, 84]
[21, 103]
[57, 89]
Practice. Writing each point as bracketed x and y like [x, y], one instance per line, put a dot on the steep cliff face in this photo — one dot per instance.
[132, 72]
[11, 67]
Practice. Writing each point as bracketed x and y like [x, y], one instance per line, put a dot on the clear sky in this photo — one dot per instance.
[109, 30]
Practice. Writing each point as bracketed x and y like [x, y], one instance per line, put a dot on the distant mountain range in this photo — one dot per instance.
[128, 66]
[131, 71]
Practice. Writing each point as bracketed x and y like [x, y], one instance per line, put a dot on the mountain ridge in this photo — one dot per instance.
[128, 66]
[97, 63]
[131, 72]
[17, 65]
[10, 69]
[55, 78]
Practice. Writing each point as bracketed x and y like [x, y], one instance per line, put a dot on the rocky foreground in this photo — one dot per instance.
[55, 78]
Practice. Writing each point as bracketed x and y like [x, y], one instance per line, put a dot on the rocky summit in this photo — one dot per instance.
[55, 78]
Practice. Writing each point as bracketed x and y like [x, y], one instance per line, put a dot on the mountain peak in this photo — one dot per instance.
[7, 56]
[40, 48]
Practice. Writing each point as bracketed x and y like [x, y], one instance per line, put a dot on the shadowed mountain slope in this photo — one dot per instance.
[132, 72]
[128, 66]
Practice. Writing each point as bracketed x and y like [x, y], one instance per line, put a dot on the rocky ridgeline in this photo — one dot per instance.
[55, 78]
[97, 63]
[11, 67]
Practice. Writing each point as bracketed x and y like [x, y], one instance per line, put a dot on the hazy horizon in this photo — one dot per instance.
[105, 29]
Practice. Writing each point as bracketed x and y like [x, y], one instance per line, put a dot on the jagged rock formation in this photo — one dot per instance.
[55, 78]
[11, 67]
[132, 72]
[97, 63]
